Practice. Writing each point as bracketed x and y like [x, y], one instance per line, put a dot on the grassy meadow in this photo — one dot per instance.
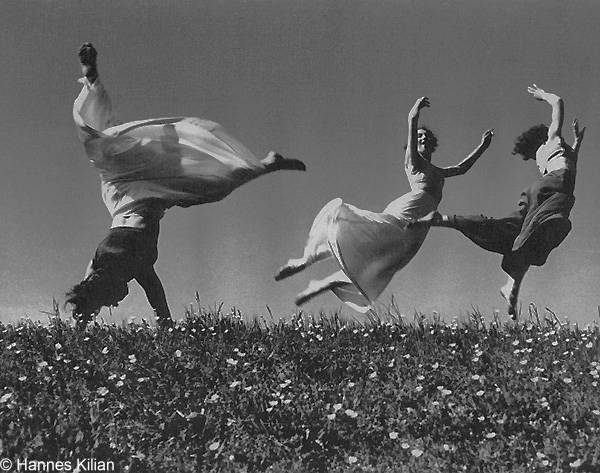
[219, 393]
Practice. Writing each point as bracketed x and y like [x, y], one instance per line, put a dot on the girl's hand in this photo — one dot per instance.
[486, 138]
[537, 93]
[577, 133]
[419, 104]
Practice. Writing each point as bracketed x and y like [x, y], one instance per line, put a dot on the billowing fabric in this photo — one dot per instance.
[370, 247]
[527, 236]
[166, 161]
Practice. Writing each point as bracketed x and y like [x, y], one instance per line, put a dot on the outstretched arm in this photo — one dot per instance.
[467, 163]
[558, 111]
[412, 157]
[577, 135]
[92, 109]
[155, 293]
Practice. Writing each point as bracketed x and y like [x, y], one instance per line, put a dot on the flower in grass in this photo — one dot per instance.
[104, 350]
[490, 435]
[351, 413]
[393, 435]
[231, 361]
[373, 375]
[331, 416]
[475, 377]
[119, 383]
[596, 411]
[576, 464]
[178, 353]
[351, 384]
[102, 390]
[142, 380]
[5, 397]
[235, 384]
[567, 380]
[535, 379]
[446, 392]
[419, 388]
[58, 346]
[132, 359]
[214, 446]
[480, 393]
[416, 452]
[337, 407]
[352, 459]
[405, 445]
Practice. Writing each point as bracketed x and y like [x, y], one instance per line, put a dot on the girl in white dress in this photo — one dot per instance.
[370, 247]
[145, 168]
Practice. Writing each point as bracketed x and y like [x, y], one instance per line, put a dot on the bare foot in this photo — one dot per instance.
[292, 267]
[276, 162]
[87, 57]
[311, 291]
[510, 297]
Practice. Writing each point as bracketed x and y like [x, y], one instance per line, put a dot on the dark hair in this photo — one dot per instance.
[99, 289]
[528, 142]
[431, 135]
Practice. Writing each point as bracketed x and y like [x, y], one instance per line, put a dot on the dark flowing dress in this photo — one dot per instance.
[527, 236]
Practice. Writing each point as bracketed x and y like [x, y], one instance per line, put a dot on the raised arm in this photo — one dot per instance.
[467, 163]
[577, 135]
[558, 112]
[412, 157]
[92, 109]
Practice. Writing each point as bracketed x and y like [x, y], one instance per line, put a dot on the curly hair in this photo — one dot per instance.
[528, 142]
[99, 289]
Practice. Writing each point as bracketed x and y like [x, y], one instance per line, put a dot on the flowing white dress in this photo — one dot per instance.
[179, 161]
[370, 247]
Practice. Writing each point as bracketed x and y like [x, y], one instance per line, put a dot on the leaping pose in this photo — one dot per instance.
[146, 167]
[370, 247]
[527, 236]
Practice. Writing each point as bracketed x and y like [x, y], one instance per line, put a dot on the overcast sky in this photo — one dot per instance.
[330, 82]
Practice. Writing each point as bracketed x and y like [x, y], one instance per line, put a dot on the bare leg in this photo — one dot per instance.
[155, 293]
[510, 291]
[295, 265]
[276, 162]
[318, 287]
[87, 58]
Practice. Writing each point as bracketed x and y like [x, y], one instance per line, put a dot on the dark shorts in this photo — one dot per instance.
[126, 251]
[527, 236]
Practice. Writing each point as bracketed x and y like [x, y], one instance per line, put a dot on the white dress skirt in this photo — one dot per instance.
[369, 247]
[179, 161]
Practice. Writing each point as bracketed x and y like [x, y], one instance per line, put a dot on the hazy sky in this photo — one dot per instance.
[330, 82]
